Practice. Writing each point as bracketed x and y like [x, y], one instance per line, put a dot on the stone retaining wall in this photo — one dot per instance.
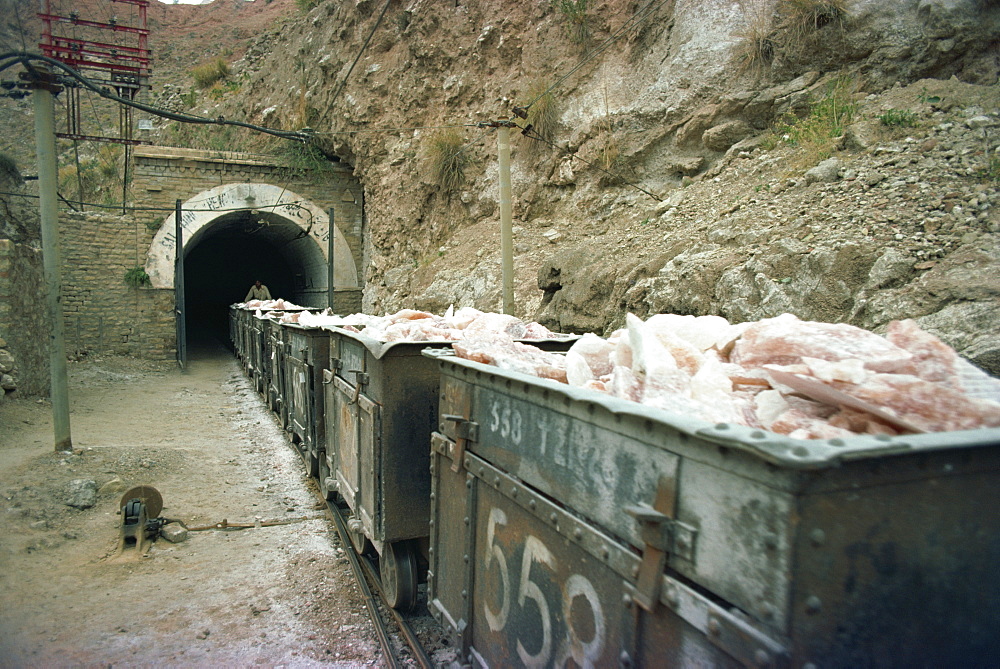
[24, 328]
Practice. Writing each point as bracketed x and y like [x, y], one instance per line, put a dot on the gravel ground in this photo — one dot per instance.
[273, 595]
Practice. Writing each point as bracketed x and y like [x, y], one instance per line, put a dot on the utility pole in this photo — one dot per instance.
[330, 249]
[503, 127]
[44, 85]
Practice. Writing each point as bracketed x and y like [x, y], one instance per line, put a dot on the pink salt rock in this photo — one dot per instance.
[409, 315]
[785, 340]
[492, 322]
[860, 422]
[589, 358]
[934, 360]
[932, 407]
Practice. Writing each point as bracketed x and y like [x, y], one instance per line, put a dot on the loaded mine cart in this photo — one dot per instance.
[274, 373]
[381, 405]
[570, 525]
[306, 353]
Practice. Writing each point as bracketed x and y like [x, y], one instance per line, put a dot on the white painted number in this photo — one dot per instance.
[535, 551]
[506, 421]
[497, 621]
[585, 653]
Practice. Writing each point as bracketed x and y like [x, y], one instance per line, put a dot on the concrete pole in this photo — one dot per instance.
[506, 232]
[48, 205]
[331, 248]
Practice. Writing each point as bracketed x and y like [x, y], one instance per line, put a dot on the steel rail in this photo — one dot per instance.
[380, 630]
[419, 654]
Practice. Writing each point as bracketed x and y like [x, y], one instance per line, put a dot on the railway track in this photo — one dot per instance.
[385, 618]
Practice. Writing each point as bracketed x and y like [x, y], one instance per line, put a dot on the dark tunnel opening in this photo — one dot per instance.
[227, 257]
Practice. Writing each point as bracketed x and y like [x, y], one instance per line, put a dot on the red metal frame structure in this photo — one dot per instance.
[109, 51]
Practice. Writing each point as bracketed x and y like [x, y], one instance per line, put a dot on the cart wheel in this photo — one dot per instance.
[358, 538]
[311, 461]
[398, 568]
[328, 492]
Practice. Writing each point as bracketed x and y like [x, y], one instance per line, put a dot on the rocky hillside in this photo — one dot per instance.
[671, 162]
[660, 185]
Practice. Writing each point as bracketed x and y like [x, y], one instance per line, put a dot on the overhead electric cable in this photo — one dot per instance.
[527, 132]
[395, 130]
[9, 59]
[358, 57]
[646, 13]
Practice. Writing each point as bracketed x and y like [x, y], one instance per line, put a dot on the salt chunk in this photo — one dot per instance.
[769, 405]
[934, 360]
[785, 340]
[851, 370]
[703, 332]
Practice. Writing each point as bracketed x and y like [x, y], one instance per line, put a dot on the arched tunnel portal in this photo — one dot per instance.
[236, 234]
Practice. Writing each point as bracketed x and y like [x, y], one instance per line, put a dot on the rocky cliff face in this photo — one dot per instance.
[657, 185]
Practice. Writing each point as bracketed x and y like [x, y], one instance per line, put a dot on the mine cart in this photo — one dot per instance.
[234, 330]
[274, 368]
[306, 352]
[570, 524]
[381, 407]
[258, 329]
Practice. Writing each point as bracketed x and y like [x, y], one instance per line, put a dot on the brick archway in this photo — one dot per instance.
[297, 228]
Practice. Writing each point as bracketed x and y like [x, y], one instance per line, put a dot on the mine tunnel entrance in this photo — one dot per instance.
[225, 257]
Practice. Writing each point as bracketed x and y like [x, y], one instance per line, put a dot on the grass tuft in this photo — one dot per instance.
[817, 133]
[447, 160]
[543, 115]
[575, 12]
[757, 38]
[210, 72]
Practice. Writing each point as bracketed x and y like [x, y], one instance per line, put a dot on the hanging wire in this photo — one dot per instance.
[637, 18]
[530, 134]
[364, 46]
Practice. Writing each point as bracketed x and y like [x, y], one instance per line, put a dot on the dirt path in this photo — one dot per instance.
[280, 595]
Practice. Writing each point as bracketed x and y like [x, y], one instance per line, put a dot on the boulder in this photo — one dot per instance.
[81, 493]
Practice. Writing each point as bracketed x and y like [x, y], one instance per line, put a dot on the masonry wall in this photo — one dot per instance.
[24, 326]
[102, 312]
[163, 175]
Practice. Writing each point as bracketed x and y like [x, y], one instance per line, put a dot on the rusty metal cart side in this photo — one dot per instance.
[306, 354]
[566, 523]
[381, 407]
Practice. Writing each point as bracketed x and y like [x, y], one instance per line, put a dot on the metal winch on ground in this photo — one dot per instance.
[140, 509]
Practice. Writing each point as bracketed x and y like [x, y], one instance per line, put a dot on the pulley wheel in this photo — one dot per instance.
[148, 495]
[398, 569]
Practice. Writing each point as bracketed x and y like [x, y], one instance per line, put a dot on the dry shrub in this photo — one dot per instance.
[208, 73]
[543, 115]
[800, 19]
[447, 159]
[757, 38]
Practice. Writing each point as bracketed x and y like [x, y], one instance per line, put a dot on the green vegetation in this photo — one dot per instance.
[136, 277]
[898, 118]
[210, 72]
[991, 173]
[543, 114]
[447, 159]
[786, 27]
[96, 178]
[9, 170]
[575, 12]
[306, 5]
[828, 117]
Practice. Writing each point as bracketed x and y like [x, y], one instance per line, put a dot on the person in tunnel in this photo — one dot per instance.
[258, 291]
